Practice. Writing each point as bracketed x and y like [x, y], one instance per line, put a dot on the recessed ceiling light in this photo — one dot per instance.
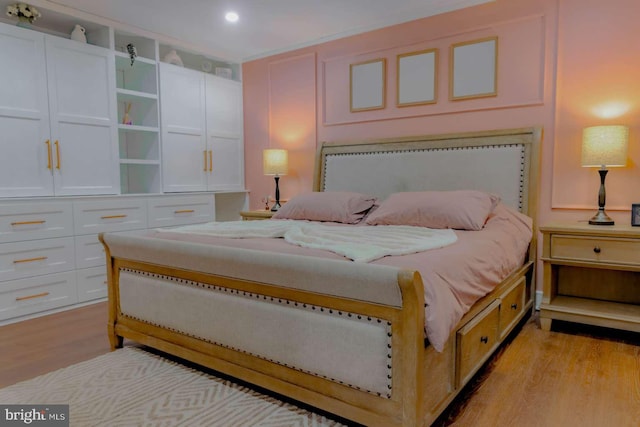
[231, 17]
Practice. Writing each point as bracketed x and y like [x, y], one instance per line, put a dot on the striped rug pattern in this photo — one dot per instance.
[132, 387]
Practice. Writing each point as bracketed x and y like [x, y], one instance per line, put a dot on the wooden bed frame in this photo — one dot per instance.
[422, 381]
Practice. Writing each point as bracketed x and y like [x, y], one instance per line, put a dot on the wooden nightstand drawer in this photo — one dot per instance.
[596, 249]
[256, 215]
[511, 307]
[476, 341]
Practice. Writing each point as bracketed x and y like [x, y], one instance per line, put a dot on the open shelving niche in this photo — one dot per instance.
[139, 142]
[199, 62]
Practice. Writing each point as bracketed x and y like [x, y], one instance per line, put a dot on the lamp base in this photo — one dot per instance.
[601, 218]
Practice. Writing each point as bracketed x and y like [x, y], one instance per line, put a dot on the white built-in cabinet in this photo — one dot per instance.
[202, 143]
[56, 140]
[73, 166]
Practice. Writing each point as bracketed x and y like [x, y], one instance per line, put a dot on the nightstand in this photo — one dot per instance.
[255, 215]
[591, 275]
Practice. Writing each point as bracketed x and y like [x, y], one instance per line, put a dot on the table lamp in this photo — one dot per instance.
[604, 146]
[275, 162]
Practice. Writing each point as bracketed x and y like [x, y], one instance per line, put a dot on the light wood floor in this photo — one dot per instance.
[571, 376]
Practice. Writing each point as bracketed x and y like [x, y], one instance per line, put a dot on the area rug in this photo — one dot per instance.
[133, 387]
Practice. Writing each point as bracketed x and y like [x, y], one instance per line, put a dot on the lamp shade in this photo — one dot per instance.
[275, 162]
[605, 146]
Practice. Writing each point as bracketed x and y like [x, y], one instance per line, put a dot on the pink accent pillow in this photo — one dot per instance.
[462, 210]
[334, 206]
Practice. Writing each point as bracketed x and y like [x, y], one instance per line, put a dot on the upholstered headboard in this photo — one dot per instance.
[502, 162]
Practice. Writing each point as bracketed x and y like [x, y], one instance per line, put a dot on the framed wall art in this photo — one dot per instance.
[635, 214]
[473, 69]
[367, 85]
[417, 78]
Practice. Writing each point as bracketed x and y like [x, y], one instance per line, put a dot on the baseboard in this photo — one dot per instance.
[538, 299]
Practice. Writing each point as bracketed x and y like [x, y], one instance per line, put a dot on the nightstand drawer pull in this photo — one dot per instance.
[514, 306]
[184, 211]
[43, 294]
[596, 249]
[484, 339]
[21, 261]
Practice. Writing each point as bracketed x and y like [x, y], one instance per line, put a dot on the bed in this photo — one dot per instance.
[346, 337]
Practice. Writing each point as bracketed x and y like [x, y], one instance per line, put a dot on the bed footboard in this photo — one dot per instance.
[311, 331]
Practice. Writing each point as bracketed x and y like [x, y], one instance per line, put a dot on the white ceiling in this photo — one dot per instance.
[265, 27]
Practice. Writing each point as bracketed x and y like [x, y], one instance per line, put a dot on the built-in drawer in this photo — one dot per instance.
[511, 307]
[35, 257]
[596, 249]
[32, 221]
[476, 341]
[109, 215]
[92, 283]
[171, 210]
[35, 294]
[89, 251]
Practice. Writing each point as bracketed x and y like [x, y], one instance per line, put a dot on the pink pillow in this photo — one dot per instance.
[335, 206]
[462, 210]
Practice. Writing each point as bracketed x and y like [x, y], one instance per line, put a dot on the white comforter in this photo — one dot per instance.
[361, 244]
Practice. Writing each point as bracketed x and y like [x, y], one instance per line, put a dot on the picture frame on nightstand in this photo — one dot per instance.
[635, 214]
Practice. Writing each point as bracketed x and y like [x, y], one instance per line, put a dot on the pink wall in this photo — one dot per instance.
[563, 65]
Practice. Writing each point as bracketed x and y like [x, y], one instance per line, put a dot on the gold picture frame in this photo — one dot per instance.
[473, 69]
[367, 85]
[417, 78]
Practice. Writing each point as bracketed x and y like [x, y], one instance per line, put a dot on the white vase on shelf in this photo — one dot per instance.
[173, 58]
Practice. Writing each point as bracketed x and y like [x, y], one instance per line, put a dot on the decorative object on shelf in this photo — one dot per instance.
[265, 199]
[173, 58]
[635, 214]
[473, 69]
[126, 119]
[367, 84]
[133, 53]
[79, 34]
[206, 66]
[224, 72]
[25, 13]
[604, 146]
[275, 162]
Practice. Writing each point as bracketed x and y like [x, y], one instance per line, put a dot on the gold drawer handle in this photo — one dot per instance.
[20, 261]
[112, 216]
[597, 249]
[205, 160]
[49, 162]
[514, 306]
[484, 339]
[210, 161]
[57, 144]
[43, 294]
[27, 222]
[184, 211]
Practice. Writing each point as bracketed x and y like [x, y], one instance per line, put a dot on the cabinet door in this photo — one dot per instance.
[24, 114]
[227, 159]
[182, 106]
[224, 133]
[83, 118]
[224, 106]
